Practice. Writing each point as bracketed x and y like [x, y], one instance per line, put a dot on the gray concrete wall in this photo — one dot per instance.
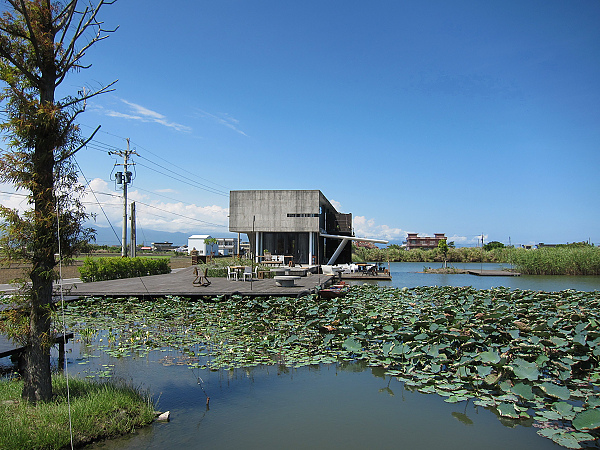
[270, 209]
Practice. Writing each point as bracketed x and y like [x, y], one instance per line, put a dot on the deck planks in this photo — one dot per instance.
[180, 284]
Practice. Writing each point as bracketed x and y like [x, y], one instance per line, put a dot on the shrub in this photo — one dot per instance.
[101, 269]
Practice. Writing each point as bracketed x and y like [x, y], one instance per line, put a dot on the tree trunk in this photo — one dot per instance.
[37, 384]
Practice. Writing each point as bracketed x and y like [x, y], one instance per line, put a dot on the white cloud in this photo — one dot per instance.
[152, 214]
[337, 205]
[223, 119]
[143, 114]
[368, 228]
[10, 198]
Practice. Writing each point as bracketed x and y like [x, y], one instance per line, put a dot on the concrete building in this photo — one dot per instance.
[198, 241]
[302, 225]
[425, 242]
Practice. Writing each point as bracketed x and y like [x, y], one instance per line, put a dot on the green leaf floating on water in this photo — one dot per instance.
[523, 390]
[566, 440]
[489, 357]
[556, 391]
[508, 410]
[352, 345]
[525, 370]
[564, 409]
[587, 420]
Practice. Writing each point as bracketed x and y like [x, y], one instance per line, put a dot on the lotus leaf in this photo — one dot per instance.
[593, 401]
[556, 391]
[525, 370]
[564, 409]
[352, 345]
[508, 410]
[489, 357]
[523, 390]
[587, 420]
[565, 439]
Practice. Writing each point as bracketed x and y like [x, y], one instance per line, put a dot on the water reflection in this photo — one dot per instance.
[347, 405]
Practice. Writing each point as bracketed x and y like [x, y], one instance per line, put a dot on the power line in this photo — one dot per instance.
[183, 179]
[183, 169]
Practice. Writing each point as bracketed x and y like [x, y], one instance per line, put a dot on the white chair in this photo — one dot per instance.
[231, 274]
[327, 269]
[247, 273]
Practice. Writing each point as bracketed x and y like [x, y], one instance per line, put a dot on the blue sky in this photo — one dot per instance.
[461, 117]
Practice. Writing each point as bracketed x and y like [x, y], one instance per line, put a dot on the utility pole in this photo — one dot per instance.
[132, 244]
[124, 178]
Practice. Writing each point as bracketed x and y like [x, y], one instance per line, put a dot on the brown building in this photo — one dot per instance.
[426, 242]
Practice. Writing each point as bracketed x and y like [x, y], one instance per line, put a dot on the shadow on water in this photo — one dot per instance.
[348, 406]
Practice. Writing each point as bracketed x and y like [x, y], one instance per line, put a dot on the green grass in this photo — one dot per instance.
[556, 261]
[98, 411]
[583, 260]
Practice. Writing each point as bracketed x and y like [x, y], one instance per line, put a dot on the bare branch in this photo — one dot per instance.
[84, 143]
[103, 90]
[64, 19]
[87, 20]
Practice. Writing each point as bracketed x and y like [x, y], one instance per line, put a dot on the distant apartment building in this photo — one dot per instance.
[227, 246]
[414, 241]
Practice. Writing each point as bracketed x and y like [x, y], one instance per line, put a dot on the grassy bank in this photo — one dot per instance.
[544, 261]
[98, 411]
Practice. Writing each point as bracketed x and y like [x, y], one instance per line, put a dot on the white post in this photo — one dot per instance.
[311, 244]
[258, 252]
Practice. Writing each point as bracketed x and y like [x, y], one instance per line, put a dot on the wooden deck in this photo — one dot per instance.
[493, 273]
[8, 348]
[180, 283]
[366, 276]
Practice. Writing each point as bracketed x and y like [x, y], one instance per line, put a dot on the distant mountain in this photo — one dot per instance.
[106, 236]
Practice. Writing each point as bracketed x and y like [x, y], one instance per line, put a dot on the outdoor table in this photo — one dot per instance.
[238, 269]
[286, 280]
[273, 263]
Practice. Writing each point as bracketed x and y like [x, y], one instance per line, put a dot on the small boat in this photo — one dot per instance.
[336, 290]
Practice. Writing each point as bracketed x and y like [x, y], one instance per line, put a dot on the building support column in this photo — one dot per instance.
[337, 252]
[311, 247]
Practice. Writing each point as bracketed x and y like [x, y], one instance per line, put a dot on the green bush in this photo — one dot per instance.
[101, 269]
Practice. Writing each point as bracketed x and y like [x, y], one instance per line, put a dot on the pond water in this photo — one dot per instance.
[328, 406]
[410, 275]
[319, 407]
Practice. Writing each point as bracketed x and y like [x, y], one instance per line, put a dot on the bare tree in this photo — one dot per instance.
[41, 42]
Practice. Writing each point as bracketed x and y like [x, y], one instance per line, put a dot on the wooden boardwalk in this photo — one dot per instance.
[493, 273]
[180, 283]
[365, 276]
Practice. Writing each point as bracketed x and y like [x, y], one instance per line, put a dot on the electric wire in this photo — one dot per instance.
[183, 179]
[181, 168]
[64, 324]
[94, 194]
[97, 145]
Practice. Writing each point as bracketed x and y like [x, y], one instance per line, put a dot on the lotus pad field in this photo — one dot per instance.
[531, 357]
